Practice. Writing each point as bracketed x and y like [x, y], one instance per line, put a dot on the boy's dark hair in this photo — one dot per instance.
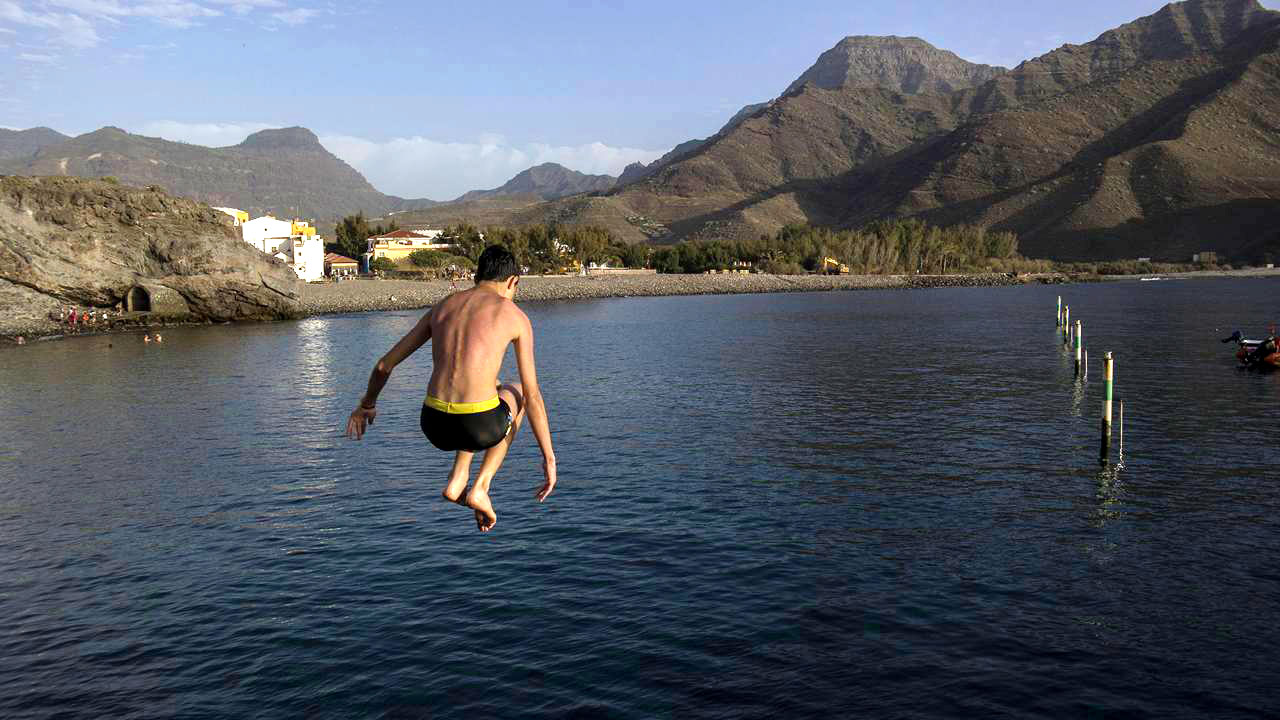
[496, 264]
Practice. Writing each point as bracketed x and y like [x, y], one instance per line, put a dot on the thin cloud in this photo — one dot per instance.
[67, 29]
[37, 58]
[207, 134]
[421, 167]
[297, 16]
[175, 13]
[244, 7]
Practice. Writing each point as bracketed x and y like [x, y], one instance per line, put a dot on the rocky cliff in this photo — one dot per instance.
[70, 241]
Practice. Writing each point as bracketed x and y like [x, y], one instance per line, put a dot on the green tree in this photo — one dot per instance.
[429, 258]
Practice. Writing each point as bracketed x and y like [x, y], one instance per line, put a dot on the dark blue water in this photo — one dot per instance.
[869, 504]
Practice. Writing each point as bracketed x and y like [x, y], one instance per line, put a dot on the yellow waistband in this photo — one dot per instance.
[460, 408]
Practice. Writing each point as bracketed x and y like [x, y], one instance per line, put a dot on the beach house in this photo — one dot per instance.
[400, 244]
[336, 265]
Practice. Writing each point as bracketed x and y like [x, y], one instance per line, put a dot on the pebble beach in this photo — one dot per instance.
[369, 294]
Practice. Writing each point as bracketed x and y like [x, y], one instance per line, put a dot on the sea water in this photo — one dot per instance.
[857, 504]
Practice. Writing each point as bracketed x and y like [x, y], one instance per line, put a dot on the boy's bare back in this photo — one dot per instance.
[470, 333]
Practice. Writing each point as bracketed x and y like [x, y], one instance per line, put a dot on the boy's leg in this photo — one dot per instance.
[478, 498]
[455, 489]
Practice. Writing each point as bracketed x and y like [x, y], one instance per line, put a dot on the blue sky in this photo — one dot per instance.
[434, 99]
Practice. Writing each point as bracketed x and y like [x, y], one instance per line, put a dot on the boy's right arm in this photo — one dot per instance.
[534, 406]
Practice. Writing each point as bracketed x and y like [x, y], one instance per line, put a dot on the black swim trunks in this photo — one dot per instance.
[462, 426]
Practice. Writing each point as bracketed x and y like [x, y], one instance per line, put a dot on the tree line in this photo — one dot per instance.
[883, 247]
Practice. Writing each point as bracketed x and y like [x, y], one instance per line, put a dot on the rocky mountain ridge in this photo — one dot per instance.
[23, 143]
[907, 65]
[548, 181]
[283, 171]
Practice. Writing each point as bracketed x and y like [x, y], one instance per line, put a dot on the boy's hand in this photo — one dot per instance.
[361, 418]
[548, 469]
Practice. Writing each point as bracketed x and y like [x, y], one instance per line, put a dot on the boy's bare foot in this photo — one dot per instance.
[478, 500]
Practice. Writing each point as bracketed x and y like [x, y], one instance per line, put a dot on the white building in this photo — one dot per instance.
[266, 233]
[296, 243]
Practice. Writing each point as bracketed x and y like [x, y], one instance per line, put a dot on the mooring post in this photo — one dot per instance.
[1108, 369]
[1079, 348]
[1066, 323]
[1059, 311]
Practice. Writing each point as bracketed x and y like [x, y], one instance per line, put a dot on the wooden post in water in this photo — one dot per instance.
[1066, 323]
[1059, 311]
[1108, 366]
[1079, 348]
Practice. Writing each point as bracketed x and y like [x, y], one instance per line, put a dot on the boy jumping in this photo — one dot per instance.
[463, 412]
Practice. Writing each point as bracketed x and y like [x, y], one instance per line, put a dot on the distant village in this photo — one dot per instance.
[297, 243]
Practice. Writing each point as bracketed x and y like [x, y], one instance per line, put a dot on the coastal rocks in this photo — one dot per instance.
[95, 243]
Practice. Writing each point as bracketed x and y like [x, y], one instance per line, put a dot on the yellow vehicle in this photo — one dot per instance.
[831, 266]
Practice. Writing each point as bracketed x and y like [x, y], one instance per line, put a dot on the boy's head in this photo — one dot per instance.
[496, 264]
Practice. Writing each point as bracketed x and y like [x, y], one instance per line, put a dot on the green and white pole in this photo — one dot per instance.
[1059, 311]
[1079, 347]
[1066, 323]
[1108, 365]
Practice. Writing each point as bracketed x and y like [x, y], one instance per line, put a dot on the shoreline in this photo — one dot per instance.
[367, 295]
[373, 295]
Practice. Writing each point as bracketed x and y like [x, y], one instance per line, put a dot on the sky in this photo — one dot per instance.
[432, 99]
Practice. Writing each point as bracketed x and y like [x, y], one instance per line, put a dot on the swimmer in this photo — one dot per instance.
[158, 338]
[21, 340]
[146, 338]
[463, 413]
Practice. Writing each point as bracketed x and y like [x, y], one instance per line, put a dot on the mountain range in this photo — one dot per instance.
[284, 171]
[1157, 139]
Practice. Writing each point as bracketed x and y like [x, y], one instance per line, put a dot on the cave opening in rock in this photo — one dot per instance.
[138, 300]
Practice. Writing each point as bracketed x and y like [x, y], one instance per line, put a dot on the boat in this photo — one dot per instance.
[1257, 354]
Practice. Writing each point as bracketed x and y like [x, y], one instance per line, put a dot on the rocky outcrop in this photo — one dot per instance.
[901, 64]
[70, 241]
[547, 181]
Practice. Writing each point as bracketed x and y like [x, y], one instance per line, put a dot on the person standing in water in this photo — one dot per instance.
[467, 410]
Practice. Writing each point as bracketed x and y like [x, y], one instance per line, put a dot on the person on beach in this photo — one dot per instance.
[463, 413]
